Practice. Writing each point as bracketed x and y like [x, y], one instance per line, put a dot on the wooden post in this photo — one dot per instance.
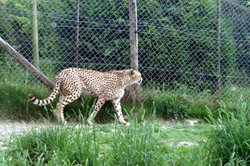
[35, 49]
[132, 93]
[218, 41]
[133, 34]
[77, 32]
[28, 66]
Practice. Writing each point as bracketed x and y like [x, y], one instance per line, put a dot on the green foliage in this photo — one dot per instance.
[156, 103]
[229, 142]
[181, 38]
[157, 144]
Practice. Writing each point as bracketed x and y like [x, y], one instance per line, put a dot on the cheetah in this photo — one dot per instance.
[71, 83]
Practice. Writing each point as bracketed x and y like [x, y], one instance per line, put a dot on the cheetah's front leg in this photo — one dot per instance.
[118, 110]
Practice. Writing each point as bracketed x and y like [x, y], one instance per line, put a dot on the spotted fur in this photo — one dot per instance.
[72, 82]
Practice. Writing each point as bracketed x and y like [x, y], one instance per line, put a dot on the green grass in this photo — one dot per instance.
[112, 144]
[230, 140]
[15, 104]
[187, 103]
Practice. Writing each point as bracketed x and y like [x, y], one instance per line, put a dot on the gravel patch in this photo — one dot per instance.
[8, 128]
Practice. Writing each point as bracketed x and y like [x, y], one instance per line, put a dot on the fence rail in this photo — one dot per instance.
[197, 44]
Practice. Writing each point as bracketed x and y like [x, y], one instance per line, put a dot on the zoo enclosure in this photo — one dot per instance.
[200, 45]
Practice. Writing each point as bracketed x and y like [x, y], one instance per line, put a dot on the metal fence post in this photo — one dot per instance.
[35, 49]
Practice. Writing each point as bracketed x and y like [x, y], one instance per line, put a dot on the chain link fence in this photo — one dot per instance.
[199, 45]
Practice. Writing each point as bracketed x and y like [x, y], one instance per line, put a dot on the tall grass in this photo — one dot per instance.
[188, 103]
[54, 146]
[145, 145]
[135, 146]
[85, 146]
[230, 140]
[178, 104]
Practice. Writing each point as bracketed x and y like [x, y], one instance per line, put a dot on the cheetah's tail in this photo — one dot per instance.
[47, 100]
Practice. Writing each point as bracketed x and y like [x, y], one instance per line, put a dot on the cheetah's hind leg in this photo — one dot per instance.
[97, 108]
[63, 101]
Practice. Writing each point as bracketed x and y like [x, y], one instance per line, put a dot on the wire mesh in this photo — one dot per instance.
[179, 41]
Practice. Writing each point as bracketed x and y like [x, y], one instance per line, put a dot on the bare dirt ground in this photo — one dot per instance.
[8, 128]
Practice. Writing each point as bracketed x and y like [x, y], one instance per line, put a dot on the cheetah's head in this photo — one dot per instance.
[134, 77]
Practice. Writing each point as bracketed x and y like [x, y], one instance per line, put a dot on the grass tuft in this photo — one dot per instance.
[230, 140]
[54, 146]
[138, 144]
[85, 145]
